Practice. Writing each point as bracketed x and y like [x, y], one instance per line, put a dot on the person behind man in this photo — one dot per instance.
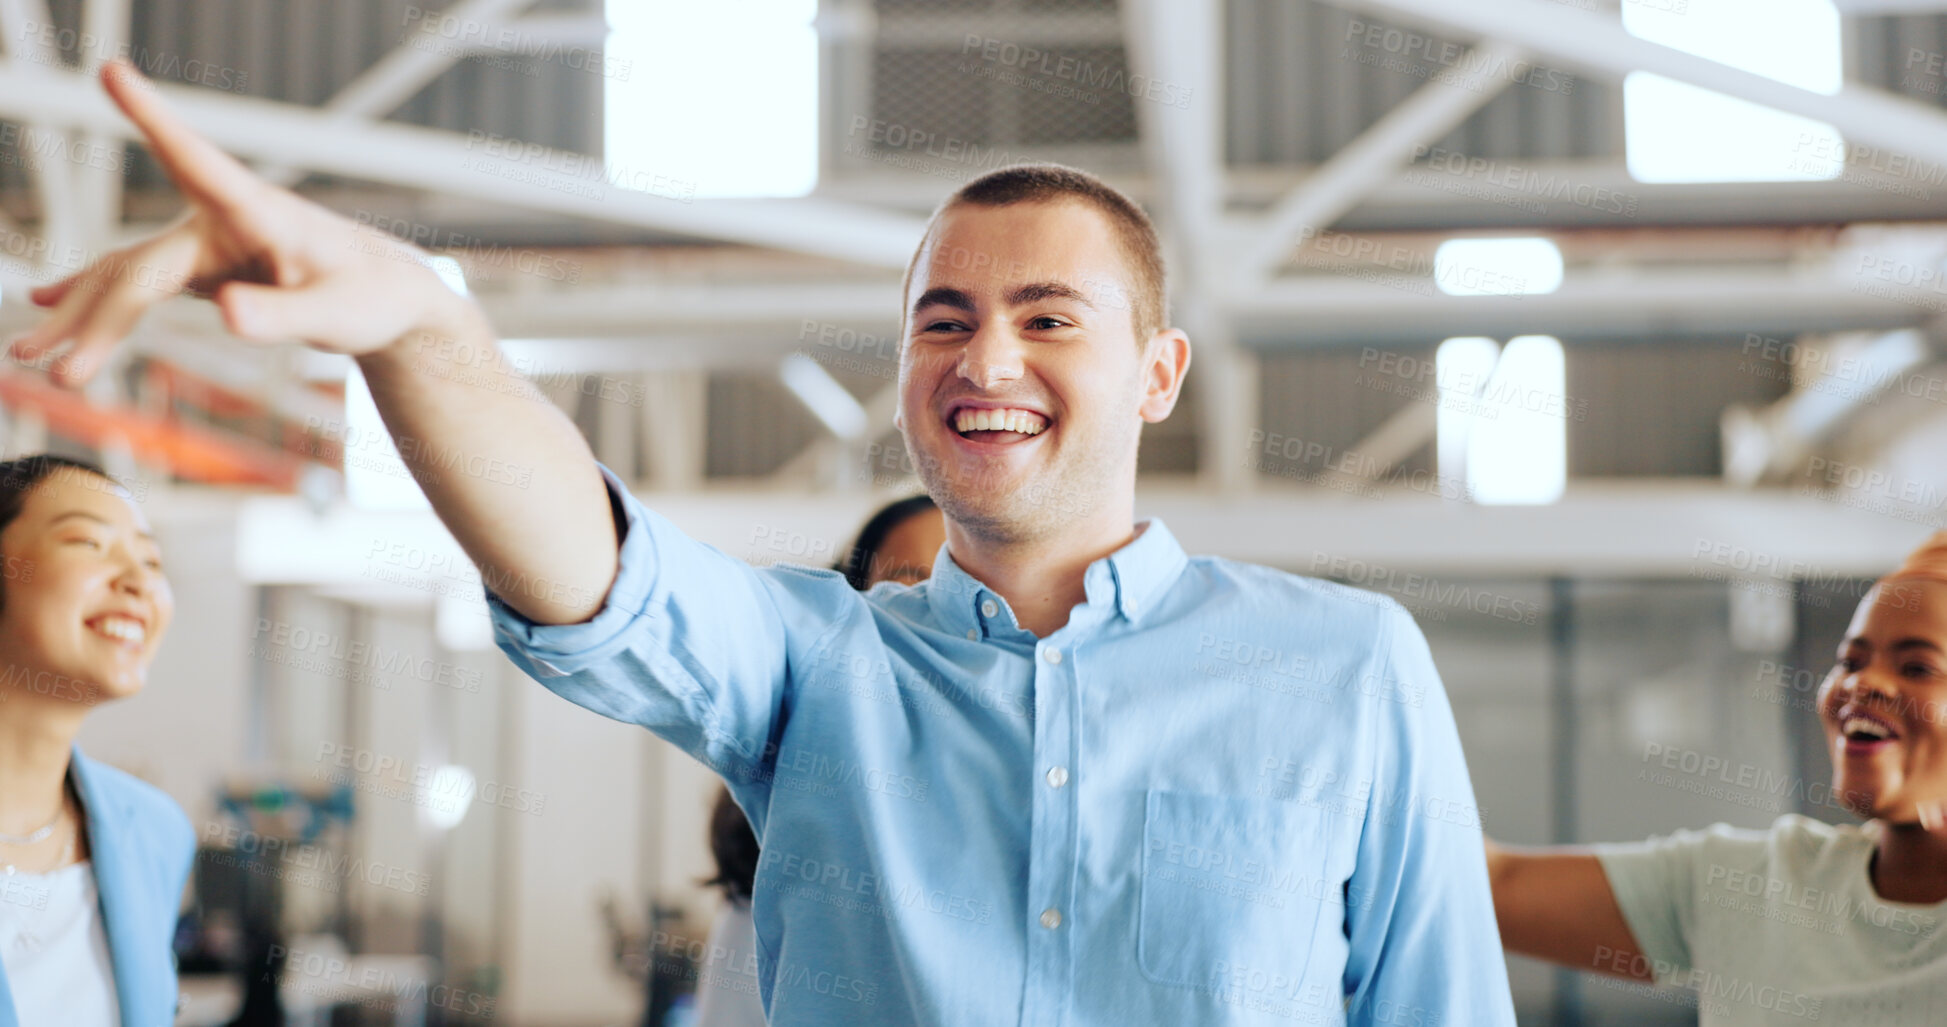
[1076, 776]
[1805, 921]
[896, 544]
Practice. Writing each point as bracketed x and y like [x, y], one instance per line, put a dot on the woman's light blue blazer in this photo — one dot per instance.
[142, 846]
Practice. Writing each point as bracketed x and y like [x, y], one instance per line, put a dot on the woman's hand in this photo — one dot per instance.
[278, 266]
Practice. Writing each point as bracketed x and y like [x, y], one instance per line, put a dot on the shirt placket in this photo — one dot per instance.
[1051, 845]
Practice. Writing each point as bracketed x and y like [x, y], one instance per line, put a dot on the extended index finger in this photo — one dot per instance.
[203, 172]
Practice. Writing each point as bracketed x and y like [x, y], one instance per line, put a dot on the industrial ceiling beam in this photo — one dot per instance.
[1180, 42]
[490, 169]
[1671, 528]
[1834, 380]
[854, 325]
[1368, 162]
[1337, 310]
[423, 56]
[410, 66]
[1599, 45]
[46, 148]
[98, 180]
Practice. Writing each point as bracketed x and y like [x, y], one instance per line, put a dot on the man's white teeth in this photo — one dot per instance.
[1864, 728]
[123, 628]
[1023, 421]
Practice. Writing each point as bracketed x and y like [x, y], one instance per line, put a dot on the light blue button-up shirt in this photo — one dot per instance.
[1220, 794]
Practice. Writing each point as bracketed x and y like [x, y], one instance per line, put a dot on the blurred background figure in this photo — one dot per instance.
[726, 989]
[898, 544]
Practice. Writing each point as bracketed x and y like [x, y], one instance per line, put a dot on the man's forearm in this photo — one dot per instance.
[508, 473]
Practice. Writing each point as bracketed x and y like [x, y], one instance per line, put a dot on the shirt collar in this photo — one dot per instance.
[1133, 579]
[1146, 568]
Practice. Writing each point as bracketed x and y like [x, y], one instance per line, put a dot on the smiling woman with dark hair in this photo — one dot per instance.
[92, 861]
[1806, 921]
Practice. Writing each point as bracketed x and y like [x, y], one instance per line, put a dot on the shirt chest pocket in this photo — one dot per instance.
[1232, 890]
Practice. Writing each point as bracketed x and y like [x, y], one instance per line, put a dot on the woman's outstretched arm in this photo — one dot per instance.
[1556, 904]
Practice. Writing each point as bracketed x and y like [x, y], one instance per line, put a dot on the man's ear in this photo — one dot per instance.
[1166, 359]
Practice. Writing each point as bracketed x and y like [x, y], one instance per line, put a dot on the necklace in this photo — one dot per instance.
[67, 848]
[67, 853]
[39, 835]
[36, 891]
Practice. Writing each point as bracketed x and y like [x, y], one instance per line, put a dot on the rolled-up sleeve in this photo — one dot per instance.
[1424, 947]
[689, 643]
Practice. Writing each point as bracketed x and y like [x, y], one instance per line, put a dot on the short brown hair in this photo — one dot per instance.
[1049, 183]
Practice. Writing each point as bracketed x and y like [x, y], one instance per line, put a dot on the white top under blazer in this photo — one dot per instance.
[55, 949]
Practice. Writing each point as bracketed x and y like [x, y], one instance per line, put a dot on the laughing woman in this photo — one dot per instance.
[1804, 922]
[92, 861]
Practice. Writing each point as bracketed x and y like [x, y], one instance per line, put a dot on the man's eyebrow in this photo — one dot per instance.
[943, 297]
[1917, 643]
[1035, 292]
[104, 522]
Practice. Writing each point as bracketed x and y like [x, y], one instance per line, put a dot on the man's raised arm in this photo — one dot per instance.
[506, 471]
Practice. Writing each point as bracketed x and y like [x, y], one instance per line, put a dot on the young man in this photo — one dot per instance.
[1076, 777]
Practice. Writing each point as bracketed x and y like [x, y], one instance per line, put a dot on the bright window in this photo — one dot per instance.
[719, 98]
[1518, 450]
[1497, 267]
[1674, 132]
[1461, 368]
[1502, 424]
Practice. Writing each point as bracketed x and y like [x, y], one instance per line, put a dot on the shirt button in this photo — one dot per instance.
[973, 634]
[988, 609]
[1051, 654]
[1057, 776]
[1051, 918]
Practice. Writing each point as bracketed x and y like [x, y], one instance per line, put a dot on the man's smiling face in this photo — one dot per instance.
[1023, 387]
